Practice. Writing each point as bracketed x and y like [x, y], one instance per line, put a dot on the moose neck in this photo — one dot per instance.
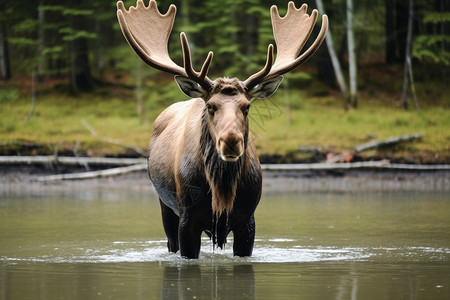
[222, 176]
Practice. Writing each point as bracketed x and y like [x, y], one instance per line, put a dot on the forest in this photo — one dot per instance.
[66, 72]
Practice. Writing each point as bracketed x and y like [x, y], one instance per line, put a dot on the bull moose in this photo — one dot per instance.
[201, 156]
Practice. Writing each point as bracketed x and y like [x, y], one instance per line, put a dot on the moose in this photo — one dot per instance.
[202, 159]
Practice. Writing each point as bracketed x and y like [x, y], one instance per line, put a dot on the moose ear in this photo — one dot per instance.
[266, 89]
[189, 87]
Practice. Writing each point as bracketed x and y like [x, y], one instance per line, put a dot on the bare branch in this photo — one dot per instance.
[113, 141]
[94, 174]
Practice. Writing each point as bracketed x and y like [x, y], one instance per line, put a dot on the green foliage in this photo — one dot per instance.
[23, 42]
[69, 34]
[77, 12]
[27, 25]
[429, 47]
[238, 32]
[436, 17]
[298, 76]
[52, 51]
[50, 8]
[8, 95]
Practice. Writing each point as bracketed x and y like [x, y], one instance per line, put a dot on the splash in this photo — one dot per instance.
[275, 250]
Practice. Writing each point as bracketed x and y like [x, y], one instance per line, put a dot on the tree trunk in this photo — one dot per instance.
[73, 77]
[351, 55]
[444, 46]
[407, 74]
[401, 21]
[334, 59]
[82, 67]
[41, 41]
[139, 84]
[33, 97]
[389, 27]
[81, 77]
[5, 63]
[98, 46]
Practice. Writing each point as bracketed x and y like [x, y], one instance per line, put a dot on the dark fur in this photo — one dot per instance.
[203, 179]
[222, 176]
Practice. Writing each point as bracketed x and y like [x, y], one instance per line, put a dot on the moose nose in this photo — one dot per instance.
[231, 147]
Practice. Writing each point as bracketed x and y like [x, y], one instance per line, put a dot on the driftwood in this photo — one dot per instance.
[128, 165]
[388, 142]
[266, 167]
[380, 165]
[94, 174]
[74, 161]
[347, 156]
[106, 161]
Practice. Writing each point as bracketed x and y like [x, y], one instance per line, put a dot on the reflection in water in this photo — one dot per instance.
[187, 280]
[192, 281]
[344, 285]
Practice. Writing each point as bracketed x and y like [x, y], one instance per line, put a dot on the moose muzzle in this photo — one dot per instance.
[230, 146]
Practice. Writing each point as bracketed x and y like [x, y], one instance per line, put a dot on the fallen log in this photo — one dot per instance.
[265, 167]
[376, 165]
[388, 142]
[67, 160]
[94, 174]
[139, 164]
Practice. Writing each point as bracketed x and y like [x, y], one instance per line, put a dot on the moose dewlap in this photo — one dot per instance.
[201, 158]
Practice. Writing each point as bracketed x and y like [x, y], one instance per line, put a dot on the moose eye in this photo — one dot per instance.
[246, 109]
[210, 109]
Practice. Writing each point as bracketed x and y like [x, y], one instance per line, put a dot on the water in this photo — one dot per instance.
[97, 244]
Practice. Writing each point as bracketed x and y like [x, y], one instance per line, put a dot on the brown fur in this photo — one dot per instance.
[188, 129]
[228, 86]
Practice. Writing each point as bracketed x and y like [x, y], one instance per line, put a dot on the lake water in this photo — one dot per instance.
[111, 245]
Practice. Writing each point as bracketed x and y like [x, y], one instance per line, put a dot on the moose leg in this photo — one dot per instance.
[170, 223]
[244, 238]
[189, 237]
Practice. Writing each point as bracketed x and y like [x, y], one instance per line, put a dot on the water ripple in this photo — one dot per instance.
[267, 251]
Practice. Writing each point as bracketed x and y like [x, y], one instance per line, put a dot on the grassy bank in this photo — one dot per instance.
[280, 125]
[323, 123]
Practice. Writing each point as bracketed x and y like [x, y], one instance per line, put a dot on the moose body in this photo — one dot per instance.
[202, 159]
[188, 171]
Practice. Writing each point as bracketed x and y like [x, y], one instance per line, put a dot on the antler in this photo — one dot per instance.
[147, 31]
[291, 33]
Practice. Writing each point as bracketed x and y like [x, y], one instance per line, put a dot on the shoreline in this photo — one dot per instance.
[21, 181]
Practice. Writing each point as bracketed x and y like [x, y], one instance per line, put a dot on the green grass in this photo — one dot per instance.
[57, 121]
[323, 122]
[278, 130]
